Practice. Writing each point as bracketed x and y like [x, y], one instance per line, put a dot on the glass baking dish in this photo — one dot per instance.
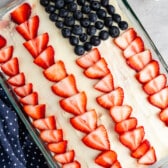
[6, 6]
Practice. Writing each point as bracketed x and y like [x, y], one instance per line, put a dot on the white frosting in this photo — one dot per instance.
[155, 130]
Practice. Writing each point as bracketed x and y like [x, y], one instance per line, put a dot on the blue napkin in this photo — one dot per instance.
[17, 149]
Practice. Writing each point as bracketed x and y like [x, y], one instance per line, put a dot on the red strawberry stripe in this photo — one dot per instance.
[74, 164]
[164, 115]
[6, 54]
[31, 99]
[2, 41]
[116, 164]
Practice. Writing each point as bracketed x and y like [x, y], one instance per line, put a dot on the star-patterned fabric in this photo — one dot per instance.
[17, 149]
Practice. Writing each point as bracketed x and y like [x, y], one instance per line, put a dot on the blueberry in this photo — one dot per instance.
[59, 4]
[63, 13]
[103, 35]
[114, 31]
[99, 25]
[95, 5]
[85, 9]
[116, 17]
[87, 46]
[44, 2]
[104, 2]
[81, 2]
[73, 40]
[85, 22]
[94, 40]
[101, 13]
[66, 32]
[83, 37]
[108, 21]
[123, 25]
[59, 24]
[53, 17]
[91, 30]
[68, 1]
[92, 17]
[79, 50]
[69, 21]
[50, 8]
[72, 6]
[77, 15]
[77, 30]
[110, 9]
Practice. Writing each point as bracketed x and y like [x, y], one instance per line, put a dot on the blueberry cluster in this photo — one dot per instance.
[84, 22]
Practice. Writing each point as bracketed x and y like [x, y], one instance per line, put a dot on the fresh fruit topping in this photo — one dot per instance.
[47, 123]
[55, 72]
[79, 50]
[120, 113]
[149, 72]
[134, 47]
[58, 147]
[52, 136]
[46, 58]
[149, 158]
[74, 164]
[163, 115]
[2, 41]
[17, 80]
[97, 70]
[65, 87]
[29, 28]
[106, 158]
[75, 104]
[106, 84]
[97, 139]
[31, 99]
[156, 84]
[21, 13]
[6, 54]
[140, 60]
[159, 99]
[11, 67]
[89, 58]
[37, 45]
[141, 150]
[66, 157]
[116, 164]
[35, 111]
[113, 98]
[25, 90]
[85, 122]
[126, 125]
[132, 139]
[125, 38]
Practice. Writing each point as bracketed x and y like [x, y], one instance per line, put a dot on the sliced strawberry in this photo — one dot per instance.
[160, 99]
[97, 139]
[126, 125]
[89, 58]
[6, 54]
[120, 113]
[132, 139]
[46, 58]
[35, 111]
[2, 41]
[75, 104]
[97, 70]
[125, 38]
[65, 87]
[55, 72]
[85, 122]
[149, 158]
[48, 123]
[113, 98]
[149, 72]
[25, 90]
[140, 60]
[74, 164]
[29, 28]
[134, 47]
[11, 67]
[52, 136]
[163, 115]
[141, 150]
[106, 158]
[116, 164]
[106, 84]
[66, 157]
[156, 84]
[21, 13]
[17, 80]
[58, 147]
[31, 99]
[37, 45]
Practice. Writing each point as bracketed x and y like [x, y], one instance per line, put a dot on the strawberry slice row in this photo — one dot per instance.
[130, 135]
[154, 83]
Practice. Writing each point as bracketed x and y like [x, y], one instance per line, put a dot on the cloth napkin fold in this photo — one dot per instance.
[17, 149]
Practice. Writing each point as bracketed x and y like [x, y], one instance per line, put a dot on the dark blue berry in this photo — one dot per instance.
[91, 30]
[53, 17]
[103, 35]
[123, 25]
[87, 46]
[69, 21]
[85, 9]
[94, 40]
[81, 2]
[66, 32]
[85, 22]
[59, 4]
[50, 8]
[77, 15]
[59, 24]
[104, 2]
[77, 30]
[92, 17]
[114, 31]
[44, 2]
[108, 21]
[73, 40]
[101, 13]
[72, 6]
[83, 37]
[110, 9]
[63, 13]
[116, 17]
[99, 25]
[95, 5]
[79, 50]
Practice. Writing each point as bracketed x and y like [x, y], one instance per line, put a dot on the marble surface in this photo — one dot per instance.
[153, 14]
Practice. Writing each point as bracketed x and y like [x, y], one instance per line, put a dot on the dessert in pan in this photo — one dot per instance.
[87, 81]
